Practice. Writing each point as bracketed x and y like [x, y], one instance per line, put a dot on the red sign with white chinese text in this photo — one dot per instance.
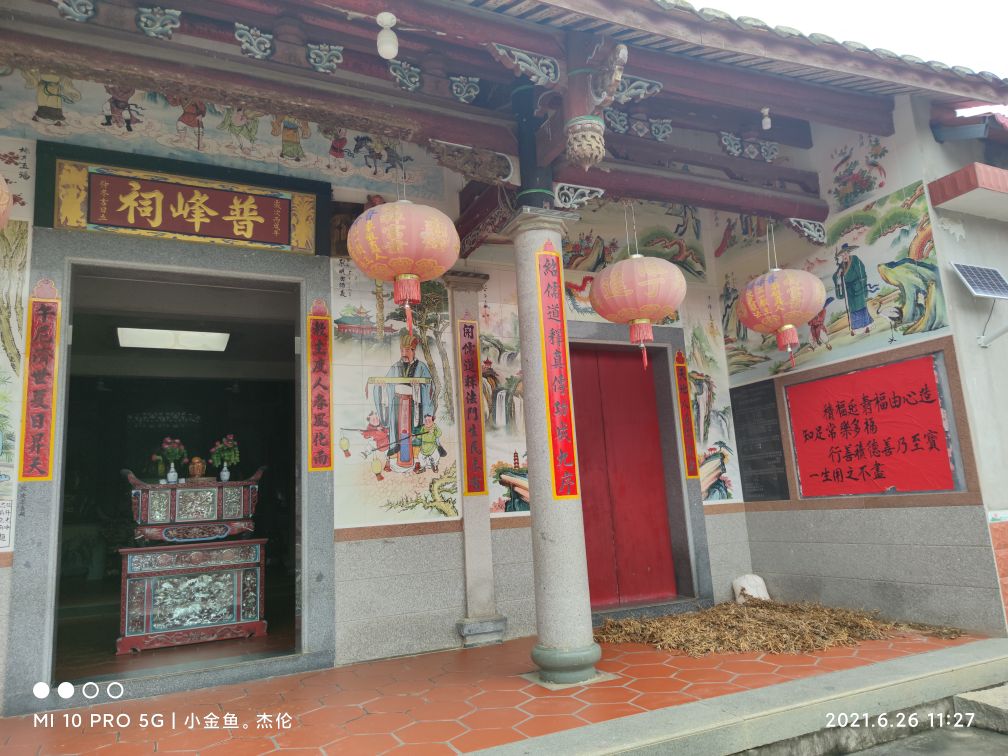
[37, 411]
[879, 430]
[320, 389]
[471, 377]
[556, 373]
[178, 208]
[686, 416]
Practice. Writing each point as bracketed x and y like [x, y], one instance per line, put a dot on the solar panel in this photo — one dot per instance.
[983, 282]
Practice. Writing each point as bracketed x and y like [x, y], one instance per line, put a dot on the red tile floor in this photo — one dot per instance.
[439, 703]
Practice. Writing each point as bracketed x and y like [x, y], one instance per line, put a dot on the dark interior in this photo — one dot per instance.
[123, 402]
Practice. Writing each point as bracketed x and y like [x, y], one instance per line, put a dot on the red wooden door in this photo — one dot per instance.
[622, 478]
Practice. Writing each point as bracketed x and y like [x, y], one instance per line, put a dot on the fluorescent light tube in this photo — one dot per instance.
[154, 338]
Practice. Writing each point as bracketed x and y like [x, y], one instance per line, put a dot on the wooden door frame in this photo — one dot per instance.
[684, 498]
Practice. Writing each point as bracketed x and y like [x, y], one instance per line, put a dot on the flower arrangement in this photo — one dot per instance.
[172, 450]
[225, 451]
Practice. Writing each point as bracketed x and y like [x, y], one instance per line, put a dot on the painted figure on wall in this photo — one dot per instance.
[291, 130]
[52, 91]
[242, 125]
[337, 148]
[403, 399]
[818, 334]
[851, 284]
[731, 326]
[118, 110]
[429, 441]
[190, 122]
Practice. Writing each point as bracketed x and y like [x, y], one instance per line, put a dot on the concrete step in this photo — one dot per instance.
[989, 707]
[797, 711]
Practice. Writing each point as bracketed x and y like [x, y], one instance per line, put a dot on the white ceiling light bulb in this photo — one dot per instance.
[388, 42]
[766, 122]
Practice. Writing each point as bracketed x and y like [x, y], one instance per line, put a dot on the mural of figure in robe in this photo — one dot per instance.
[851, 284]
[118, 110]
[242, 125]
[291, 130]
[402, 399]
[52, 91]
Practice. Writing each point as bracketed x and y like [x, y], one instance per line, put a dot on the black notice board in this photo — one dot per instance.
[758, 438]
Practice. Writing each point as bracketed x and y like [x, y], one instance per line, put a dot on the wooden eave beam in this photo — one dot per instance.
[484, 215]
[451, 22]
[702, 116]
[646, 16]
[651, 154]
[263, 87]
[622, 179]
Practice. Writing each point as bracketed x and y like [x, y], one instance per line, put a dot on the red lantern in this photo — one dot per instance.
[404, 243]
[639, 291]
[6, 201]
[778, 301]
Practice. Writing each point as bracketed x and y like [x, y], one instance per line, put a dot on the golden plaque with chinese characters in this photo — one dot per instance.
[104, 198]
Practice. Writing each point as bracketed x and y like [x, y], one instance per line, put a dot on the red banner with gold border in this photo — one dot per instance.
[38, 407]
[872, 431]
[556, 373]
[123, 200]
[686, 416]
[319, 388]
[470, 379]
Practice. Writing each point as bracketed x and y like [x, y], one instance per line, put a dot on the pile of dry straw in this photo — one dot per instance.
[765, 626]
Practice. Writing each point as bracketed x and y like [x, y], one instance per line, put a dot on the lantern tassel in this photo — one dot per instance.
[640, 334]
[406, 291]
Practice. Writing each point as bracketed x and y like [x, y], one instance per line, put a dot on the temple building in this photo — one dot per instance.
[227, 453]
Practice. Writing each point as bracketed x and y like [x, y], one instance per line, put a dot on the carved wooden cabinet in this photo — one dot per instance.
[202, 588]
[195, 510]
[191, 593]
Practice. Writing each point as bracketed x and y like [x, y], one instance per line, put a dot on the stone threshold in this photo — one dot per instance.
[679, 605]
[740, 721]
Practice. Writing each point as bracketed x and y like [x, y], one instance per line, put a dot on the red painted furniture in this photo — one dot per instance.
[191, 593]
[193, 511]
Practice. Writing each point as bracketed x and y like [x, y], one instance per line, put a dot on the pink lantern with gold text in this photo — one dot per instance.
[6, 201]
[404, 243]
[639, 291]
[778, 301]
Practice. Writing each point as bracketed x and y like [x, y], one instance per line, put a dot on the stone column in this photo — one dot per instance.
[566, 651]
[482, 623]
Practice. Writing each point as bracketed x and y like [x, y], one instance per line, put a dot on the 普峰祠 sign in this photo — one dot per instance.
[123, 200]
[873, 431]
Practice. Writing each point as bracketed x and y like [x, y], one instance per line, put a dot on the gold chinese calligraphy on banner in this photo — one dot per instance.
[123, 200]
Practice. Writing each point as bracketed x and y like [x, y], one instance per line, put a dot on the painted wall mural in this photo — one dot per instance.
[17, 166]
[398, 439]
[671, 231]
[882, 285]
[40, 105]
[502, 387]
[858, 169]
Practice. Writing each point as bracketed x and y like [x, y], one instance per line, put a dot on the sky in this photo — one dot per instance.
[970, 33]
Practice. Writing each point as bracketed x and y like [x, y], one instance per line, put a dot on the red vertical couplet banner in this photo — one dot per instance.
[556, 373]
[470, 379]
[686, 416]
[320, 388]
[873, 431]
[38, 408]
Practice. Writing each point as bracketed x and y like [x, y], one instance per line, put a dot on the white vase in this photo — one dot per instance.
[225, 474]
[172, 476]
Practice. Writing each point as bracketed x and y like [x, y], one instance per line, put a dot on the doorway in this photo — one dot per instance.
[125, 399]
[626, 516]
